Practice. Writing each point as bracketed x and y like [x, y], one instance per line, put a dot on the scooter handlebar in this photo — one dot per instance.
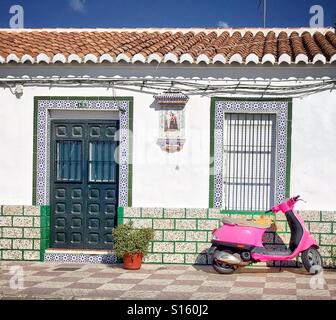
[285, 206]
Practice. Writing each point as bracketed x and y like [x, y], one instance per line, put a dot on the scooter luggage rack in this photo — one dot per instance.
[248, 222]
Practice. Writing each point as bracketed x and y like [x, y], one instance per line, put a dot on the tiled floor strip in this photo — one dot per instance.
[171, 282]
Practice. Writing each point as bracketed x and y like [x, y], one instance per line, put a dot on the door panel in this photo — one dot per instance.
[101, 215]
[102, 187]
[84, 184]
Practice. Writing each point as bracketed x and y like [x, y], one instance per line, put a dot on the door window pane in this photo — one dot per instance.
[69, 161]
[102, 166]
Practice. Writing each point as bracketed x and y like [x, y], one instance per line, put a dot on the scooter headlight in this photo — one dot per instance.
[214, 237]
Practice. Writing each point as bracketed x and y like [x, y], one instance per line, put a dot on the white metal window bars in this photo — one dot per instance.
[249, 161]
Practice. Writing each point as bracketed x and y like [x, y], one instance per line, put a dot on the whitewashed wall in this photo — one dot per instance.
[180, 179]
[16, 147]
[314, 151]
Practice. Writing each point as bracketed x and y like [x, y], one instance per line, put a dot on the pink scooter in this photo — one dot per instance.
[238, 243]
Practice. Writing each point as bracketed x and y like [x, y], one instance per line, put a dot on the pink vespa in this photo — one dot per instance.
[238, 243]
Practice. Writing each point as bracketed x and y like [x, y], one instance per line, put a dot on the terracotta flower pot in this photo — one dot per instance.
[132, 262]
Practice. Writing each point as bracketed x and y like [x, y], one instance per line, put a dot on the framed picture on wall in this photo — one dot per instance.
[172, 121]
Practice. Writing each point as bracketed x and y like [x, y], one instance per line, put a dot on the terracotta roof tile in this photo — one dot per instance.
[312, 48]
[229, 44]
[271, 45]
[297, 44]
[284, 46]
[243, 46]
[177, 45]
[325, 43]
[258, 44]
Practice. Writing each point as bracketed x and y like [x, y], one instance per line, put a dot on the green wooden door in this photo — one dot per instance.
[84, 183]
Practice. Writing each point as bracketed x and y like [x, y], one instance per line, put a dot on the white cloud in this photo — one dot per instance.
[78, 5]
[223, 24]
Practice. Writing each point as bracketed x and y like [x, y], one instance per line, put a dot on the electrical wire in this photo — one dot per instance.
[190, 87]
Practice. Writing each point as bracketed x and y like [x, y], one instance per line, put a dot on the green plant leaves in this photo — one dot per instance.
[128, 239]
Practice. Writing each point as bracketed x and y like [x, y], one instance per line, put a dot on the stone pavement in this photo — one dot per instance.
[164, 282]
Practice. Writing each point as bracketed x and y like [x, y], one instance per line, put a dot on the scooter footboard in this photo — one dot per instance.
[271, 256]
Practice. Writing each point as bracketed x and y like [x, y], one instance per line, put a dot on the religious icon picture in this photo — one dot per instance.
[171, 121]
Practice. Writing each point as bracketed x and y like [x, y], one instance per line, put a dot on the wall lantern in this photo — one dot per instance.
[18, 91]
[172, 120]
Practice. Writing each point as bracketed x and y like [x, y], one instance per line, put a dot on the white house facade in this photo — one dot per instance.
[171, 129]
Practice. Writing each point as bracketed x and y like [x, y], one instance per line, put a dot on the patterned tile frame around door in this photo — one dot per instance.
[43, 135]
[280, 108]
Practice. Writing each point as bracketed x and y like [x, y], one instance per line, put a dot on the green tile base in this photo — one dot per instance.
[184, 235]
[20, 233]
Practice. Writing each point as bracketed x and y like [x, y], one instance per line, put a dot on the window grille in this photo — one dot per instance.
[69, 160]
[102, 166]
[249, 161]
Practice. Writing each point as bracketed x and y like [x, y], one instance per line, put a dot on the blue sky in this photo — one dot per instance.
[164, 13]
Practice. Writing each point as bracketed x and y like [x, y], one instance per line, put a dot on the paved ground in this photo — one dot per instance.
[168, 282]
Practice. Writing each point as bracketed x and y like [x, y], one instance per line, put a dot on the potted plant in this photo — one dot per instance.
[131, 244]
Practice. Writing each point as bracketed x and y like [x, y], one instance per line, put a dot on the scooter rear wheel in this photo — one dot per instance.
[222, 267]
[311, 260]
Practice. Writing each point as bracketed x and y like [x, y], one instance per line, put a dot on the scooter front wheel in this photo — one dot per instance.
[311, 260]
[222, 267]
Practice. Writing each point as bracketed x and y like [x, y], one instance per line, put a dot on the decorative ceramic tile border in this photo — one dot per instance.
[80, 258]
[43, 137]
[280, 108]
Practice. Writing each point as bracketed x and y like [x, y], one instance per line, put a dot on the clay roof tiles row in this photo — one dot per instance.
[164, 45]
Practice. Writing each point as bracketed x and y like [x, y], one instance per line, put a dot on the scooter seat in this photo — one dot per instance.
[246, 223]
